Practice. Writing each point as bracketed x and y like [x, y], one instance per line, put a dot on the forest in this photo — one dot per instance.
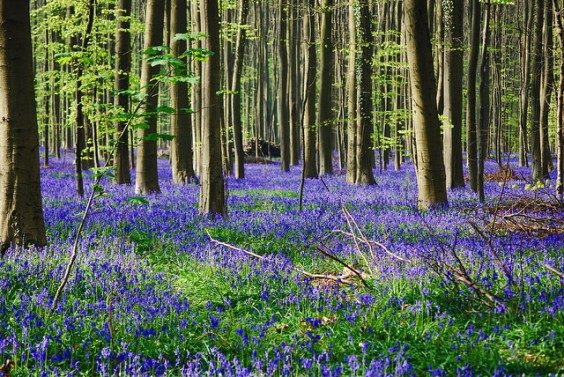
[281, 187]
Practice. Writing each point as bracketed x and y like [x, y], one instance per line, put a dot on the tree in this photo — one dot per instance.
[559, 17]
[21, 212]
[359, 91]
[472, 157]
[324, 108]
[310, 134]
[453, 76]
[484, 120]
[147, 179]
[537, 71]
[430, 167]
[181, 146]
[212, 191]
[283, 109]
[236, 120]
[121, 85]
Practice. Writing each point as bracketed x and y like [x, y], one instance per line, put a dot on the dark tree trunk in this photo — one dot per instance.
[471, 102]
[430, 166]
[121, 85]
[21, 211]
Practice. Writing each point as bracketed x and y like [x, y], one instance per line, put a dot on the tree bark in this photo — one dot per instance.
[537, 71]
[181, 146]
[484, 121]
[559, 17]
[147, 177]
[453, 76]
[283, 108]
[21, 212]
[121, 85]
[430, 166]
[471, 101]
[310, 164]
[212, 191]
[325, 109]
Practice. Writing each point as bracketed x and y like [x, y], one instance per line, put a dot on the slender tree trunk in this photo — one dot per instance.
[546, 88]
[121, 85]
[181, 146]
[537, 71]
[351, 96]
[525, 80]
[559, 17]
[310, 164]
[283, 109]
[453, 76]
[430, 166]
[364, 175]
[196, 97]
[21, 212]
[212, 190]
[484, 122]
[471, 101]
[325, 109]
[236, 120]
[147, 176]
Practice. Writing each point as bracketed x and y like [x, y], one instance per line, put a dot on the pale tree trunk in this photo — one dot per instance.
[472, 135]
[212, 190]
[547, 87]
[21, 212]
[310, 134]
[181, 146]
[453, 76]
[537, 71]
[559, 16]
[236, 120]
[484, 122]
[283, 121]
[351, 96]
[294, 83]
[325, 109]
[147, 178]
[525, 62]
[121, 85]
[430, 166]
[196, 97]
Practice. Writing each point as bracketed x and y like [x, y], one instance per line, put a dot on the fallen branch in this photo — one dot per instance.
[554, 271]
[343, 279]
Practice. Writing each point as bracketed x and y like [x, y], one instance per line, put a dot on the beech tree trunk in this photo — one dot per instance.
[453, 76]
[181, 146]
[546, 88]
[537, 72]
[147, 178]
[351, 96]
[121, 85]
[430, 166]
[283, 109]
[236, 120]
[310, 134]
[472, 152]
[325, 109]
[212, 191]
[21, 211]
[559, 17]
[484, 122]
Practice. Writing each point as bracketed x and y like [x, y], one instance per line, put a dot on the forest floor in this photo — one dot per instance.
[464, 290]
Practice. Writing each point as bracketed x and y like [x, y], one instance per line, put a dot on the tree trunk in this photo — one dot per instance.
[310, 164]
[471, 102]
[525, 62]
[181, 146]
[21, 212]
[283, 109]
[351, 96]
[121, 85]
[430, 166]
[559, 16]
[453, 75]
[147, 177]
[484, 122]
[537, 71]
[325, 109]
[547, 87]
[212, 191]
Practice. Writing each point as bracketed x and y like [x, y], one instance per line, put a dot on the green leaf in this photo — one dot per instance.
[137, 200]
